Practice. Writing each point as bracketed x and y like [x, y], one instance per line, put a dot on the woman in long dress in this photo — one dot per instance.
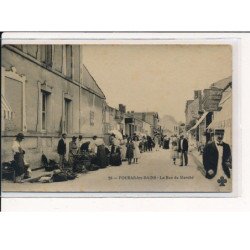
[137, 153]
[123, 147]
[156, 141]
[115, 156]
[130, 150]
[101, 156]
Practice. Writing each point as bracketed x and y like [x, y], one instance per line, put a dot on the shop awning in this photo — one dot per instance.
[199, 121]
[222, 118]
[6, 109]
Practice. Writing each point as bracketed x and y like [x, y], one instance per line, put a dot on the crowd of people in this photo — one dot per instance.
[96, 153]
[216, 155]
[118, 149]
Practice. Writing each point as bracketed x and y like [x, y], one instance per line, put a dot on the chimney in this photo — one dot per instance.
[122, 108]
[197, 94]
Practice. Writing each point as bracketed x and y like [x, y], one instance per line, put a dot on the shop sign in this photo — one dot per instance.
[212, 99]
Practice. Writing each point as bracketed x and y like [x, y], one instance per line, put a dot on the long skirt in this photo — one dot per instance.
[115, 157]
[19, 164]
[101, 157]
[130, 152]
[137, 153]
[123, 152]
[71, 159]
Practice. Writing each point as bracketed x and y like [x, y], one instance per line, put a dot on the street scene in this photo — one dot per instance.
[116, 118]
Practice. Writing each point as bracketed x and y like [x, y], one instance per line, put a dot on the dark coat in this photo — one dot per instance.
[184, 145]
[130, 150]
[115, 156]
[61, 148]
[210, 159]
[101, 157]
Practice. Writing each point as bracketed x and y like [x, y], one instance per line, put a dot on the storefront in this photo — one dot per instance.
[223, 118]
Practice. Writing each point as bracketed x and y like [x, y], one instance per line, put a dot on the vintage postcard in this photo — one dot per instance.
[116, 117]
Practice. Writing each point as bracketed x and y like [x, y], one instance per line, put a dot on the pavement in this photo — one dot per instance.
[155, 172]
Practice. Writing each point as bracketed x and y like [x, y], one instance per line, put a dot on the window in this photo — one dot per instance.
[44, 110]
[48, 55]
[69, 61]
[92, 117]
[67, 115]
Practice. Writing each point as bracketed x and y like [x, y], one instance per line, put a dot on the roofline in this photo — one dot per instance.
[94, 80]
[37, 62]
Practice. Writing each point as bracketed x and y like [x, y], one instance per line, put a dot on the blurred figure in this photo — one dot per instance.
[137, 153]
[174, 147]
[156, 142]
[123, 143]
[72, 151]
[92, 145]
[18, 154]
[183, 149]
[150, 143]
[130, 150]
[61, 150]
[79, 142]
[115, 155]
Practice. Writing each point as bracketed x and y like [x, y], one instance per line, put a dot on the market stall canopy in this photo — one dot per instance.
[6, 109]
[199, 121]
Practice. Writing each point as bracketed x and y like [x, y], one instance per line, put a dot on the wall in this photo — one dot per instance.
[192, 110]
[37, 77]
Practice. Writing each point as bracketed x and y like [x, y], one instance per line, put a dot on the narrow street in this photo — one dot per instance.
[155, 172]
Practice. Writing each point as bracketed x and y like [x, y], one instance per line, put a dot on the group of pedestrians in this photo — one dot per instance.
[133, 146]
[127, 148]
[179, 147]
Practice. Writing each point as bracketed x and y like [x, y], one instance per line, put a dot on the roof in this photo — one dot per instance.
[222, 84]
[90, 82]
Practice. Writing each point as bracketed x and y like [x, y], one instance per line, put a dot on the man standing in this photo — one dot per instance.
[217, 157]
[183, 149]
[61, 150]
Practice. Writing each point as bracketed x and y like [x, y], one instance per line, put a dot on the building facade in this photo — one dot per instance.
[210, 115]
[114, 119]
[50, 92]
[193, 107]
[151, 118]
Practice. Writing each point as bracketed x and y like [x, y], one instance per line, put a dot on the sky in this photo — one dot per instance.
[157, 78]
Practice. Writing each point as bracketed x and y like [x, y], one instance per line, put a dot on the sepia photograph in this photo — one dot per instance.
[116, 118]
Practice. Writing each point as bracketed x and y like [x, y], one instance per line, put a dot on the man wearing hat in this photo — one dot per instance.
[61, 150]
[18, 154]
[217, 157]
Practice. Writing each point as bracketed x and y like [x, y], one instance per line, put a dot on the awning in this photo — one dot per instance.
[6, 109]
[199, 121]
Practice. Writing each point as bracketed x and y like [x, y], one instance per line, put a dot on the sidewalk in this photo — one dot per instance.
[197, 157]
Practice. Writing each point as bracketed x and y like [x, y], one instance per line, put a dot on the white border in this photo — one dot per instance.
[147, 38]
